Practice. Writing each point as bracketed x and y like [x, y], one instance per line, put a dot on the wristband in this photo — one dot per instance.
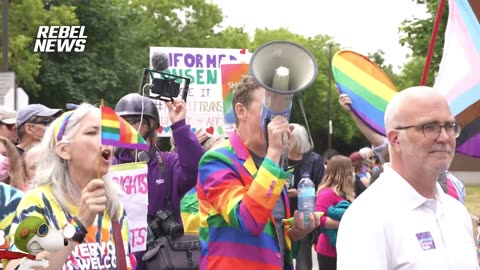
[80, 230]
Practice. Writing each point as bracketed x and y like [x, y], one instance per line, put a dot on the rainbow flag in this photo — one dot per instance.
[458, 77]
[118, 132]
[369, 88]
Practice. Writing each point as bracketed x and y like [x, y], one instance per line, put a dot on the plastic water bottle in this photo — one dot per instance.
[306, 196]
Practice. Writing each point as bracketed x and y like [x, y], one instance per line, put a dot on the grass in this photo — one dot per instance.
[472, 203]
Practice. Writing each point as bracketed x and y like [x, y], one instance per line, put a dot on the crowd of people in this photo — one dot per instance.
[393, 205]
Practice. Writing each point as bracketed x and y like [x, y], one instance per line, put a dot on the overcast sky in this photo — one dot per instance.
[363, 26]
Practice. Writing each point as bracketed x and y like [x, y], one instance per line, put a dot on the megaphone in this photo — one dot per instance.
[283, 68]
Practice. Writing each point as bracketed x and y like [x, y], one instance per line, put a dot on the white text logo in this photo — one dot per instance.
[60, 39]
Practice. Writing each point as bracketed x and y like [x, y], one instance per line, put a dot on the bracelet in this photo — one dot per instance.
[80, 230]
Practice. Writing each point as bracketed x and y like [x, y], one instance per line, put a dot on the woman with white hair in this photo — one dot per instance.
[369, 158]
[301, 160]
[69, 191]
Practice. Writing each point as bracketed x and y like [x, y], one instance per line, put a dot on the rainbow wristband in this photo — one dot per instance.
[80, 230]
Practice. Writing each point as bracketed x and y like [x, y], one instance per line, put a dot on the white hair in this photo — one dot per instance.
[365, 151]
[301, 142]
[53, 170]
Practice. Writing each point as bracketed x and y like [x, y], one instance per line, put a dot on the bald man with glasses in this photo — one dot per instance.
[405, 220]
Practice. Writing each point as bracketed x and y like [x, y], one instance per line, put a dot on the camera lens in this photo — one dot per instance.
[176, 231]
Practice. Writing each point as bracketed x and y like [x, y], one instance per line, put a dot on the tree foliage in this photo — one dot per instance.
[416, 34]
[24, 19]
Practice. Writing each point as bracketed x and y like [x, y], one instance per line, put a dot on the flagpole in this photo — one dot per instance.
[100, 147]
[431, 46]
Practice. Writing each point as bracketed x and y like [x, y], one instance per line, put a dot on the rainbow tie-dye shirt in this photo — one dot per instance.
[98, 249]
[237, 228]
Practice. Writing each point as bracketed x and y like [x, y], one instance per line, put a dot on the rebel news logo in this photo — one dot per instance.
[60, 39]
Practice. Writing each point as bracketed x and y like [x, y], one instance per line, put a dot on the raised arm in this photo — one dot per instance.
[184, 163]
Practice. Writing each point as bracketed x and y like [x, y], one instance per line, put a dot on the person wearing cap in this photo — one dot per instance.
[170, 174]
[31, 123]
[361, 179]
[7, 125]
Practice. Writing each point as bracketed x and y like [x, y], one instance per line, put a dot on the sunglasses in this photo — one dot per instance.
[41, 231]
[372, 158]
[9, 126]
[45, 122]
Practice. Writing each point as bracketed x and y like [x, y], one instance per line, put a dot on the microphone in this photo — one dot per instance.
[159, 61]
[164, 84]
[159, 64]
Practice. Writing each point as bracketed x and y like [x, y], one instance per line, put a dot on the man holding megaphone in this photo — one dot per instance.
[241, 191]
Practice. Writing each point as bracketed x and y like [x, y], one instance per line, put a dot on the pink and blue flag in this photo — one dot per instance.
[458, 77]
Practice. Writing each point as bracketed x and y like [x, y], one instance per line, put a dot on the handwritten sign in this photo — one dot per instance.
[205, 100]
[132, 178]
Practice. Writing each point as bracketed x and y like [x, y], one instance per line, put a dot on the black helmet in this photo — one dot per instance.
[131, 105]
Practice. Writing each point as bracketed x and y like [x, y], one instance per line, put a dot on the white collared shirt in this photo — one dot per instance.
[391, 226]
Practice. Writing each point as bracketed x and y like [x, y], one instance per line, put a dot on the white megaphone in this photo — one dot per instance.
[283, 68]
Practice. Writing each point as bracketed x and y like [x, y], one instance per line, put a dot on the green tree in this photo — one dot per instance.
[24, 19]
[412, 73]
[231, 37]
[119, 36]
[416, 33]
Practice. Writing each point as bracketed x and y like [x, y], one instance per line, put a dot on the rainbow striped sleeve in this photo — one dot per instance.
[189, 211]
[222, 184]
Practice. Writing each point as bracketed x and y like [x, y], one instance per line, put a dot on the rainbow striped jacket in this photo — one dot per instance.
[237, 228]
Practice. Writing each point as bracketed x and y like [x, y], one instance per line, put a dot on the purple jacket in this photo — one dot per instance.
[180, 169]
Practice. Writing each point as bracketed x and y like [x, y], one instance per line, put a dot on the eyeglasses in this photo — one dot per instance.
[41, 230]
[9, 126]
[432, 130]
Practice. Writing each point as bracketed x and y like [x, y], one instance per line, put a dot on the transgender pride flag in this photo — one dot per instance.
[459, 75]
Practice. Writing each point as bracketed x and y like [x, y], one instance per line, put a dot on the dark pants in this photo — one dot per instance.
[304, 257]
[326, 263]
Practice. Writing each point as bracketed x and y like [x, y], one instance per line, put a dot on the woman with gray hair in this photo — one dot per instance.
[302, 159]
[70, 194]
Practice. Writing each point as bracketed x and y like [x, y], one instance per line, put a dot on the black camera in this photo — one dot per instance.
[164, 224]
[166, 88]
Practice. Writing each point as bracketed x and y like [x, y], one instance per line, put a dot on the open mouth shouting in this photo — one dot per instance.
[106, 155]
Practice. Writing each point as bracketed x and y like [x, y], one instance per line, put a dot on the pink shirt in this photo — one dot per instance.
[325, 198]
